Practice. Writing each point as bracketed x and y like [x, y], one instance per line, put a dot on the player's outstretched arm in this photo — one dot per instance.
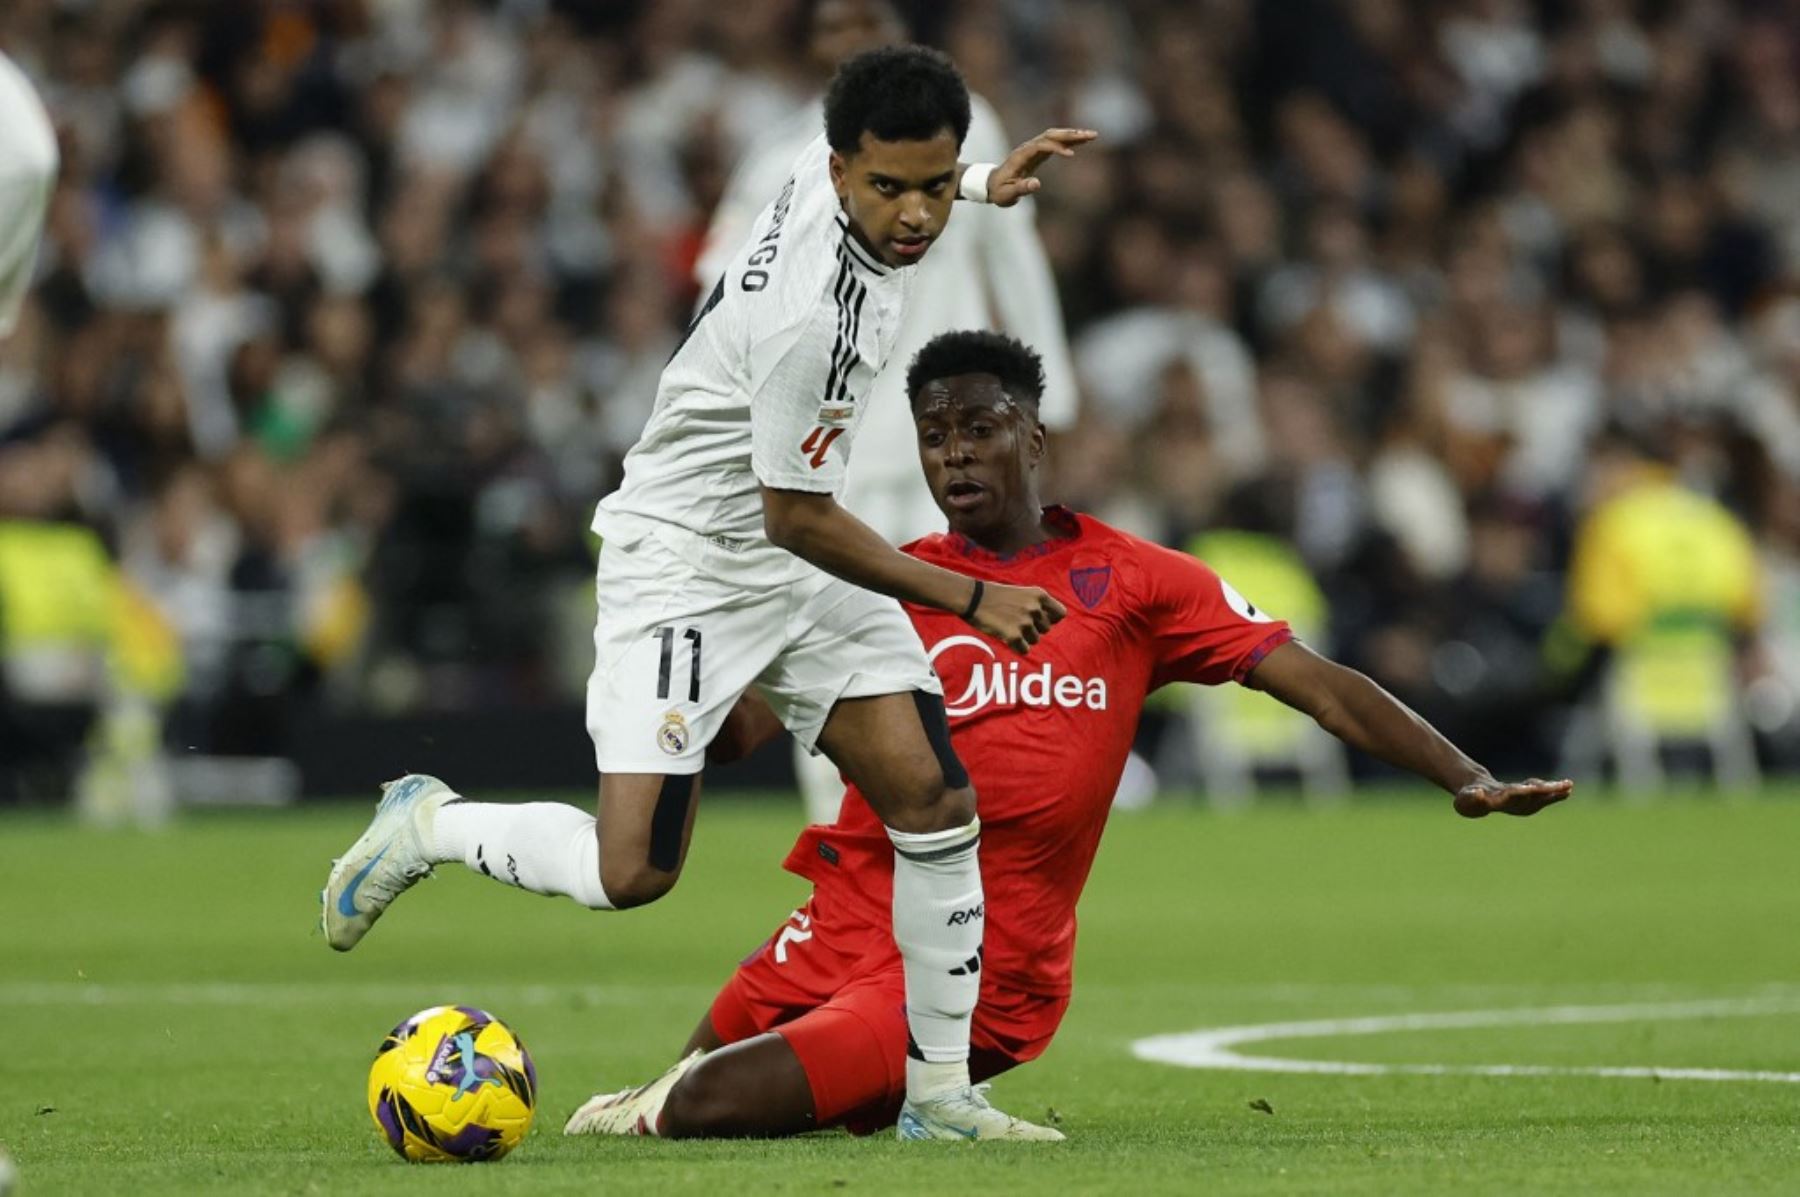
[1014, 179]
[1363, 715]
[815, 527]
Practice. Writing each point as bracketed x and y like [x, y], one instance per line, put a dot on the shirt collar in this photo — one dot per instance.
[853, 249]
[1064, 523]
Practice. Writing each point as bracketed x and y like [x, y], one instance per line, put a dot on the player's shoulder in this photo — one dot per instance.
[805, 205]
[1129, 546]
[778, 277]
[1146, 575]
[813, 210]
[1093, 545]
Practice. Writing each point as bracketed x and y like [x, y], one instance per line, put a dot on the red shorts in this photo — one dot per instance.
[835, 990]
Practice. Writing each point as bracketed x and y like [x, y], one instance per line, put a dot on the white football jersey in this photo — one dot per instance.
[28, 161]
[767, 388]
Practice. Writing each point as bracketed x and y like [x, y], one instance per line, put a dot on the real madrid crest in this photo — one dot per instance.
[672, 737]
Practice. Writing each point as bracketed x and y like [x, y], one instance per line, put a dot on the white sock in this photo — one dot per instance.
[545, 847]
[938, 917]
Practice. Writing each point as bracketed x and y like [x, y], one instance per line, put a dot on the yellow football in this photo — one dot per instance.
[452, 1084]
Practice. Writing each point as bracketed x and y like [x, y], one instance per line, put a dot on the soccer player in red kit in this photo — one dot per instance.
[811, 1031]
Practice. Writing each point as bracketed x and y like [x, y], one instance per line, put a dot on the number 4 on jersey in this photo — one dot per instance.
[818, 443]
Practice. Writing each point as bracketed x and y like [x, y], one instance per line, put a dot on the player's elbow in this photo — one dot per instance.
[787, 521]
[1329, 714]
[780, 526]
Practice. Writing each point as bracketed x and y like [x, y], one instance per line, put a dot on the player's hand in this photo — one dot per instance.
[1019, 615]
[1015, 179]
[1528, 797]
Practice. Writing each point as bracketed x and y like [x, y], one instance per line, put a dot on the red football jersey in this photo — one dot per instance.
[1045, 737]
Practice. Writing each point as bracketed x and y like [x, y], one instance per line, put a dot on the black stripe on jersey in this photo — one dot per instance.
[855, 332]
[839, 347]
[863, 257]
[850, 305]
[850, 294]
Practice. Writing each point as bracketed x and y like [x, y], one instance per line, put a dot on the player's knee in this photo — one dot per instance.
[636, 885]
[934, 807]
[703, 1104]
[954, 808]
[942, 798]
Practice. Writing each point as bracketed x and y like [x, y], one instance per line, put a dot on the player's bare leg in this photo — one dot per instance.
[895, 748]
[628, 854]
[645, 824]
[753, 1089]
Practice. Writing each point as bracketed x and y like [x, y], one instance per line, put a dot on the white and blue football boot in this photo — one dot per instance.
[385, 861]
[965, 1114]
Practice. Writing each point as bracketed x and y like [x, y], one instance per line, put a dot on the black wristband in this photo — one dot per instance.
[974, 601]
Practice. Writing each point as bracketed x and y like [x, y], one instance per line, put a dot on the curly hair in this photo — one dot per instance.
[1016, 365]
[898, 93]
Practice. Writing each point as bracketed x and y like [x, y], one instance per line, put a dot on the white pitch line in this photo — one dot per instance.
[326, 993]
[1215, 1047]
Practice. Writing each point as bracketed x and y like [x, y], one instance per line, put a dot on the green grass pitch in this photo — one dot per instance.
[174, 1025]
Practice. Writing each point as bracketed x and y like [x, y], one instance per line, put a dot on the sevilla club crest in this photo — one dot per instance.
[1090, 583]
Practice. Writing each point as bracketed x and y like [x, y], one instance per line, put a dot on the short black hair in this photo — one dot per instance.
[897, 93]
[1017, 366]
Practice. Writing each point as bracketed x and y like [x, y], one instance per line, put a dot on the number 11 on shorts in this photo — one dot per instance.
[667, 636]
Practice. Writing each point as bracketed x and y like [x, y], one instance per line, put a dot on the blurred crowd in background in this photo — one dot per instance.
[1484, 312]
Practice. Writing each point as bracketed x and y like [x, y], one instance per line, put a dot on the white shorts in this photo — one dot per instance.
[674, 649]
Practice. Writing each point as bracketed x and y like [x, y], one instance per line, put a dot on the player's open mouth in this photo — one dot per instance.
[964, 494]
[910, 247]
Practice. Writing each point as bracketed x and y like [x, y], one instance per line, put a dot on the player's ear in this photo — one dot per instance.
[840, 173]
[1038, 443]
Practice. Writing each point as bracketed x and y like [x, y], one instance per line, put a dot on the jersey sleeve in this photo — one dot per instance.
[1201, 629]
[800, 312]
[798, 434]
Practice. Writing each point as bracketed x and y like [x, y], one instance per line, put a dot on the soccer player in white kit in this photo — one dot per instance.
[28, 161]
[987, 270]
[728, 563]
